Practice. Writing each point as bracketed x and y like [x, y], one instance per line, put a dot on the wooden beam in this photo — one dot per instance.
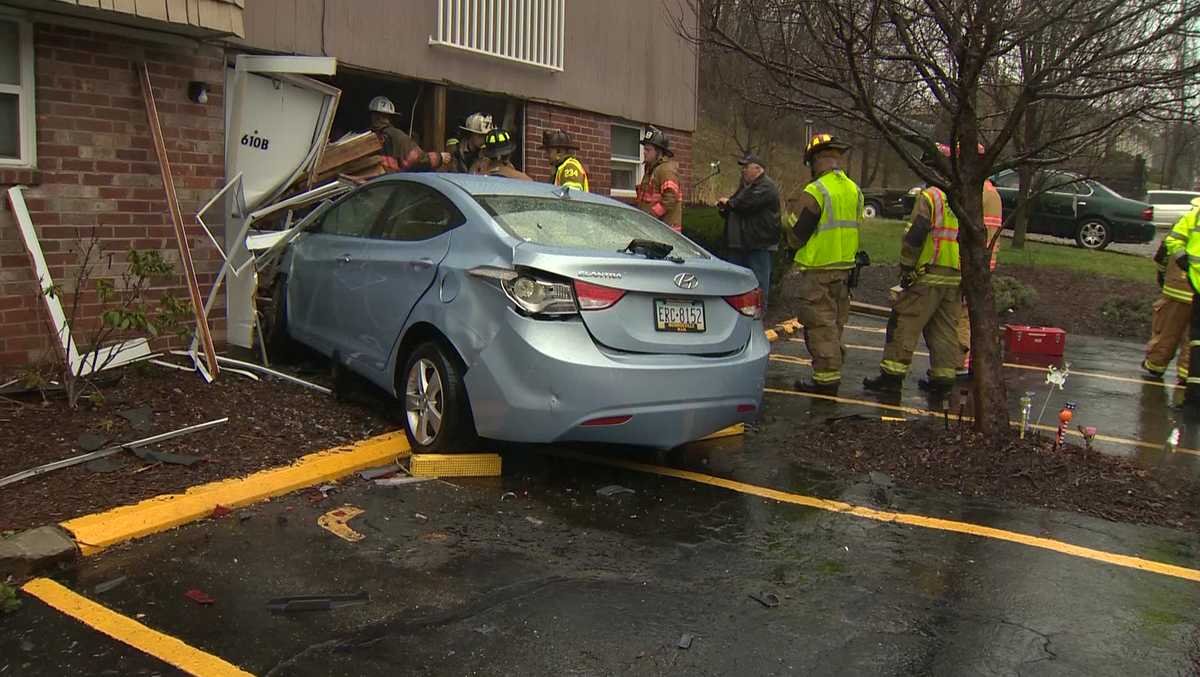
[185, 252]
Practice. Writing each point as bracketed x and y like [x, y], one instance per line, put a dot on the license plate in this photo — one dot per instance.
[678, 315]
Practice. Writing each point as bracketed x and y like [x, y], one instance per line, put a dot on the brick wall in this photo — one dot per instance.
[593, 133]
[97, 171]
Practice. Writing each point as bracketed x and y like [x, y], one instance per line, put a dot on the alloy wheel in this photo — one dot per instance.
[1093, 234]
[424, 403]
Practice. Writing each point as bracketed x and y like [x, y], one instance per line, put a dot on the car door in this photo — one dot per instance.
[1055, 209]
[397, 265]
[326, 269]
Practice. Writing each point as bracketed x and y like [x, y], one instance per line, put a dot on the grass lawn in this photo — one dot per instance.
[881, 239]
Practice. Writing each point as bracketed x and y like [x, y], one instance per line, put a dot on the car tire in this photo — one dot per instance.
[433, 397]
[280, 346]
[872, 210]
[1093, 233]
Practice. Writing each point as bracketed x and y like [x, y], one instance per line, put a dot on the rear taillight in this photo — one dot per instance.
[595, 297]
[1148, 214]
[540, 297]
[607, 421]
[749, 304]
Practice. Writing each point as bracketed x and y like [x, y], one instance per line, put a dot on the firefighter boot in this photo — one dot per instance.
[884, 383]
[815, 388]
[935, 386]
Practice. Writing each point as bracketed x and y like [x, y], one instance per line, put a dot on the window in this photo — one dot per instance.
[524, 31]
[626, 159]
[418, 213]
[582, 225]
[1007, 179]
[17, 136]
[356, 215]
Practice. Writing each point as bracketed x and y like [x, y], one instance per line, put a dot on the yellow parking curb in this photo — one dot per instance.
[732, 431]
[98, 531]
[128, 631]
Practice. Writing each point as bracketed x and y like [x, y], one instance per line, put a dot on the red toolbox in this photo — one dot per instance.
[1022, 340]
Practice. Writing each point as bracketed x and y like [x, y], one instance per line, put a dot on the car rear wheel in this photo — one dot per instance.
[437, 416]
[871, 210]
[1093, 234]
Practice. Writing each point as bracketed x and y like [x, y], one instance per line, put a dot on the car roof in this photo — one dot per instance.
[475, 184]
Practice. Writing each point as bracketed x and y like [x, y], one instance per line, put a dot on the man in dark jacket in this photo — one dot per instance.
[752, 227]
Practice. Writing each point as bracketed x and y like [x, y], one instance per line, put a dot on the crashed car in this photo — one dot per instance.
[523, 312]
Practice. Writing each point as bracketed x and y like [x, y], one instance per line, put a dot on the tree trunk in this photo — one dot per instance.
[988, 388]
[1024, 206]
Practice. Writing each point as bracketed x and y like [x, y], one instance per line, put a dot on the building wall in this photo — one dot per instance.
[593, 133]
[97, 171]
[622, 57]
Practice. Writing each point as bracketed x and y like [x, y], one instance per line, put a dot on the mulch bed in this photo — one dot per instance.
[922, 454]
[271, 423]
[1078, 312]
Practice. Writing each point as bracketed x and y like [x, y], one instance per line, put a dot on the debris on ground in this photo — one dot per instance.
[139, 419]
[401, 481]
[613, 490]
[107, 464]
[316, 602]
[337, 521]
[381, 471]
[106, 586]
[165, 457]
[534, 521]
[92, 441]
[768, 599]
[199, 597]
[685, 641]
[220, 511]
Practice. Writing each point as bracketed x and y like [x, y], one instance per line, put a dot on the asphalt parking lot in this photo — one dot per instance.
[536, 573]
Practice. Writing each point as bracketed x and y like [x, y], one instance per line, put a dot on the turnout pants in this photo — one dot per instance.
[824, 311]
[1191, 396]
[1169, 332]
[964, 335]
[930, 310]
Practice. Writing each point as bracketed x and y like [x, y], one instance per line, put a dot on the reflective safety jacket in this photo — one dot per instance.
[835, 241]
[1183, 242]
[659, 193]
[938, 263]
[570, 173]
[993, 217]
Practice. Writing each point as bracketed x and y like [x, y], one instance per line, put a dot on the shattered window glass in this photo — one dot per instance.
[582, 225]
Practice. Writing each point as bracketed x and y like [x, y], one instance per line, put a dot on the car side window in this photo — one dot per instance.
[357, 214]
[417, 213]
[1079, 188]
[1008, 180]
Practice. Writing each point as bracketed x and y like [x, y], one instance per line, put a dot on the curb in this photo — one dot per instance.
[37, 549]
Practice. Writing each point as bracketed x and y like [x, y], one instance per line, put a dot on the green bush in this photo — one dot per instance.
[1128, 313]
[1011, 294]
[706, 227]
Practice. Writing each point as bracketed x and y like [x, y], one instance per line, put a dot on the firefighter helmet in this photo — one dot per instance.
[557, 138]
[821, 142]
[498, 143]
[382, 104]
[478, 123]
[653, 136]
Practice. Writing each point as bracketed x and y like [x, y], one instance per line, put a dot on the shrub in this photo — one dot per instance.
[1128, 315]
[1011, 294]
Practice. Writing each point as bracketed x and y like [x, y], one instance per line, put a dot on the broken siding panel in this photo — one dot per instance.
[177, 11]
[152, 9]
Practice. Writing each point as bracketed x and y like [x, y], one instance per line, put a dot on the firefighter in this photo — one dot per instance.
[929, 303]
[497, 149]
[659, 193]
[826, 227]
[1173, 311]
[568, 170]
[993, 220]
[466, 154]
[400, 152]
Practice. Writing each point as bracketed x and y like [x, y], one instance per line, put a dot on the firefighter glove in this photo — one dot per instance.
[908, 276]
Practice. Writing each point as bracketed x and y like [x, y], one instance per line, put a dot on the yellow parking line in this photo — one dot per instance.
[1030, 367]
[897, 517]
[937, 414]
[128, 631]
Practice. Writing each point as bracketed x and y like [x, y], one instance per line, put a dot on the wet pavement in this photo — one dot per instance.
[534, 573]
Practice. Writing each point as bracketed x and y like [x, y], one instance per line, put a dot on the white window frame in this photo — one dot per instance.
[641, 162]
[27, 132]
[528, 32]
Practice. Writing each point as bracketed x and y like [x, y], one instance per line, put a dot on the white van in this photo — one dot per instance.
[1169, 205]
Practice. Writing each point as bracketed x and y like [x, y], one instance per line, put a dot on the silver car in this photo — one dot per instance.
[519, 311]
[1171, 205]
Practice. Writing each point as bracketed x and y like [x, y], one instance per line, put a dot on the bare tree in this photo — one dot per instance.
[917, 71]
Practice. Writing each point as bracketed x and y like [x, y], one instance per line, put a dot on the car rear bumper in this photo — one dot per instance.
[540, 381]
[1136, 232]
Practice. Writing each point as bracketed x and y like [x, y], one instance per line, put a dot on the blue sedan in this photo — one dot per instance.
[519, 311]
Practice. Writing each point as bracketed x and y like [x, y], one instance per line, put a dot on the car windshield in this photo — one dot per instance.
[585, 225]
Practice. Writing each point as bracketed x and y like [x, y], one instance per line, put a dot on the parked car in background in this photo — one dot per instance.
[1170, 205]
[889, 203]
[518, 311]
[1080, 209]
